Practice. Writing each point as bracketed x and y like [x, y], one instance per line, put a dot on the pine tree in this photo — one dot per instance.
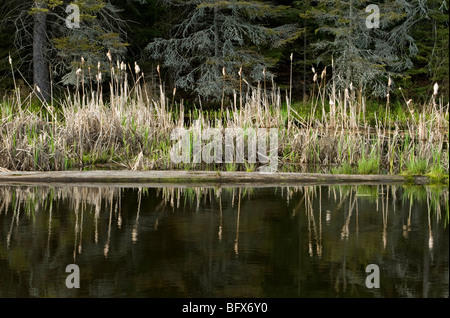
[217, 39]
[364, 56]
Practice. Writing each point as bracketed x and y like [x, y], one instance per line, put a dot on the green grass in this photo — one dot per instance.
[417, 166]
[370, 165]
[345, 168]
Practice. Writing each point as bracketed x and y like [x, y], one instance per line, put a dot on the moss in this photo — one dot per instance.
[438, 178]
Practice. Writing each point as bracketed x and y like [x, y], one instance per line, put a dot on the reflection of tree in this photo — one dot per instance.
[304, 241]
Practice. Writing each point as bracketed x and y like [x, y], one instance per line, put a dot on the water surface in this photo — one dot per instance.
[269, 242]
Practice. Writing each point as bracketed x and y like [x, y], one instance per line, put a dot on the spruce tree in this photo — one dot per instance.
[363, 56]
[215, 40]
[51, 49]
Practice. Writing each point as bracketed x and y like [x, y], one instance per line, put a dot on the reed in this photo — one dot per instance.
[130, 128]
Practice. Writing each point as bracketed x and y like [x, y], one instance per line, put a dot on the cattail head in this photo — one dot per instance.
[240, 71]
[98, 77]
[174, 91]
[123, 67]
[389, 81]
[315, 77]
[82, 61]
[157, 68]
[98, 65]
[435, 88]
[224, 71]
[136, 68]
[313, 70]
[109, 55]
[351, 86]
[292, 56]
[38, 89]
[78, 71]
[324, 73]
[9, 60]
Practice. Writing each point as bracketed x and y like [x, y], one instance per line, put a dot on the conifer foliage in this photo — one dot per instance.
[218, 38]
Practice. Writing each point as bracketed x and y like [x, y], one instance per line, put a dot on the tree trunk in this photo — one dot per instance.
[40, 64]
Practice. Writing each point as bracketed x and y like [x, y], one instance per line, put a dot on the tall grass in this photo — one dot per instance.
[129, 127]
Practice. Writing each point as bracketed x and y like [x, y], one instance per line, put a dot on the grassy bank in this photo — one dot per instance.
[125, 125]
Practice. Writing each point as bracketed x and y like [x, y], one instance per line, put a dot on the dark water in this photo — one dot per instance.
[311, 241]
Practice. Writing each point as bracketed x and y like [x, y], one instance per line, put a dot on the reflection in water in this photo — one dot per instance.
[305, 241]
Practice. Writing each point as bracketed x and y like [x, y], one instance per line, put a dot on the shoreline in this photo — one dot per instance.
[193, 178]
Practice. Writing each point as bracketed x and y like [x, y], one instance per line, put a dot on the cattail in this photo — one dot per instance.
[264, 72]
[157, 68]
[136, 68]
[435, 87]
[9, 59]
[315, 77]
[123, 67]
[38, 89]
[224, 71]
[174, 91]
[292, 56]
[313, 70]
[351, 86]
[109, 55]
[78, 71]
[82, 61]
[324, 73]
[240, 71]
[389, 81]
[98, 65]
[98, 77]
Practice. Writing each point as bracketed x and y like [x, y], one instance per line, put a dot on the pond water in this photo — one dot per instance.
[267, 242]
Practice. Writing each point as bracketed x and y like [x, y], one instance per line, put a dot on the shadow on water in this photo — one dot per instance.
[305, 241]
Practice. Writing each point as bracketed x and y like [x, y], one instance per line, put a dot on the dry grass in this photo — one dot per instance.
[131, 129]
